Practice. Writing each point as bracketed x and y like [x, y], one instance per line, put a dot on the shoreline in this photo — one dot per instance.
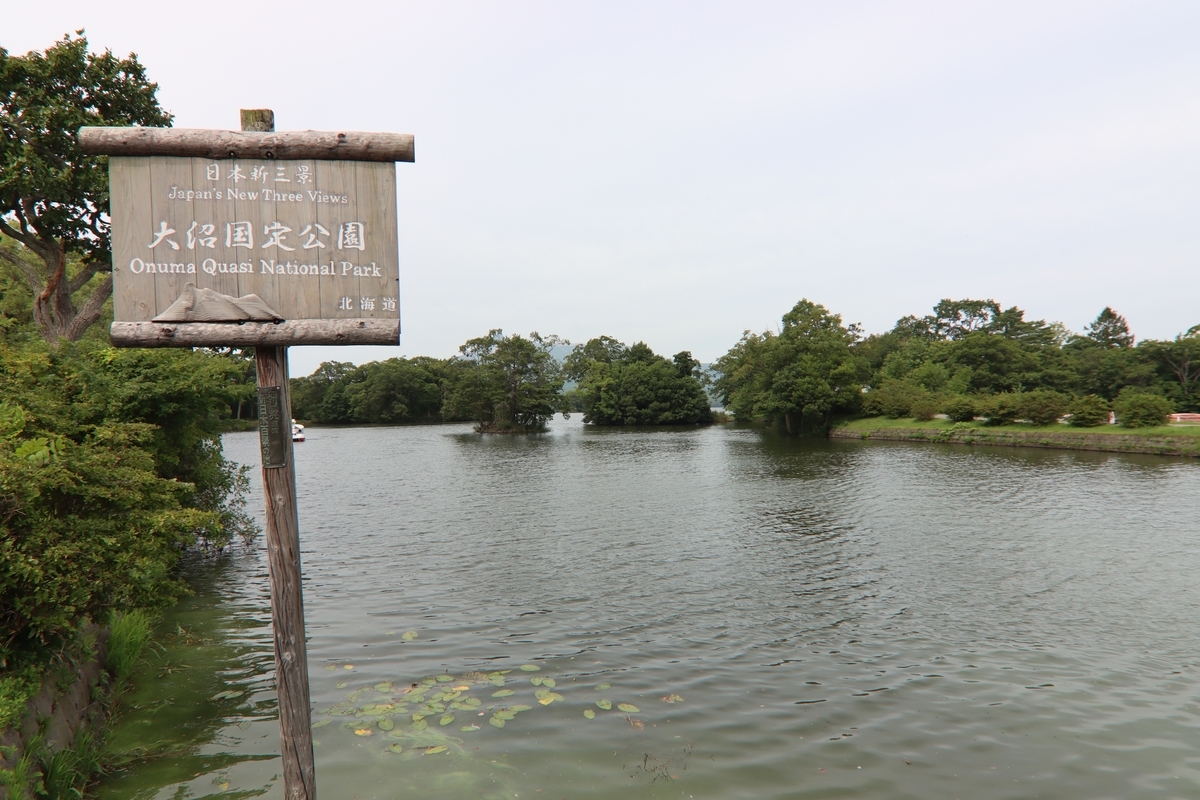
[1183, 445]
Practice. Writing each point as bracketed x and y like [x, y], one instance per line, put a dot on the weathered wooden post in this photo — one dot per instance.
[283, 550]
[258, 239]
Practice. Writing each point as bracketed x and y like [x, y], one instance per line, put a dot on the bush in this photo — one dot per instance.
[924, 409]
[1001, 409]
[1141, 409]
[1043, 407]
[895, 399]
[1089, 411]
[960, 409]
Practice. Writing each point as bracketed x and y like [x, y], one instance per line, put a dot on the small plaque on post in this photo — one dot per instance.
[271, 428]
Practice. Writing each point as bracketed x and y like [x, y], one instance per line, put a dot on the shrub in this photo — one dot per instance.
[1043, 407]
[924, 409]
[1001, 409]
[1089, 411]
[1141, 409]
[960, 409]
[896, 399]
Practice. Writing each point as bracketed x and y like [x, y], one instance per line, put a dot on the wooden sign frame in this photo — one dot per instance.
[270, 339]
[218, 146]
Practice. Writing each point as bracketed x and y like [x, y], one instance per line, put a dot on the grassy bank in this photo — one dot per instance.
[1171, 440]
[52, 710]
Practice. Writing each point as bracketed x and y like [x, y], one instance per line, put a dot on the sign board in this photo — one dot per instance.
[312, 239]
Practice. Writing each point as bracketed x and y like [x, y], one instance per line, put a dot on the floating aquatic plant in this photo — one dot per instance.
[404, 713]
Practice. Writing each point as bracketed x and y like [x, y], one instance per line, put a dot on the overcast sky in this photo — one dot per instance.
[680, 172]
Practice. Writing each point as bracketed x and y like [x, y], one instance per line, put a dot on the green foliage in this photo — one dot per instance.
[1089, 411]
[394, 391]
[17, 686]
[924, 409]
[53, 198]
[110, 466]
[42, 772]
[799, 377]
[1044, 407]
[129, 633]
[960, 409]
[896, 398]
[998, 409]
[1109, 330]
[507, 383]
[1141, 409]
[621, 385]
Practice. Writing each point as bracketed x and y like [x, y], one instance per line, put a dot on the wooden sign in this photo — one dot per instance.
[249, 238]
[311, 239]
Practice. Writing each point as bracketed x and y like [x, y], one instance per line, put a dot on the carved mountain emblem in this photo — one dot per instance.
[206, 305]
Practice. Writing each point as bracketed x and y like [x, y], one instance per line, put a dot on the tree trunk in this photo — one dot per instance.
[54, 310]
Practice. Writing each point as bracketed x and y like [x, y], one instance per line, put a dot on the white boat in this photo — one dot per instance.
[297, 432]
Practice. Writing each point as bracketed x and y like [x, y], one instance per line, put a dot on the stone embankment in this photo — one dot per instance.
[71, 698]
[1066, 440]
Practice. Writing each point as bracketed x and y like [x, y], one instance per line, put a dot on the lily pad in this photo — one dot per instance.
[548, 682]
[321, 723]
[363, 731]
[497, 722]
[441, 748]
[444, 678]
[503, 693]
[536, 680]
[602, 686]
[550, 698]
[469, 728]
[587, 712]
[347, 666]
[330, 668]
[505, 714]
[385, 724]
[396, 748]
[517, 708]
[542, 694]
[604, 705]
[531, 668]
[419, 725]
[628, 708]
[384, 686]
[446, 719]
[409, 636]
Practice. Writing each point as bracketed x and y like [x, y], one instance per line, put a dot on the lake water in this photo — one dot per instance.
[791, 619]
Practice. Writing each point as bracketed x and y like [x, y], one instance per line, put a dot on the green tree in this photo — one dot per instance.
[1043, 406]
[960, 409]
[1136, 409]
[1177, 365]
[799, 377]
[507, 383]
[634, 386]
[1089, 411]
[53, 199]
[1109, 329]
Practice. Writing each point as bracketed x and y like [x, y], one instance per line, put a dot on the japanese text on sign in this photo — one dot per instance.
[313, 239]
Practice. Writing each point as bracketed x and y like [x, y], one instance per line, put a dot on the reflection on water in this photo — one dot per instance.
[790, 619]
